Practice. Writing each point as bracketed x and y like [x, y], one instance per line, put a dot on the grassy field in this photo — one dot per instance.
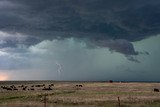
[91, 94]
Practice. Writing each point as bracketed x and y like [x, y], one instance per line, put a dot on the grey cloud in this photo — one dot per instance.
[7, 5]
[122, 21]
[116, 19]
[118, 45]
[131, 58]
[12, 39]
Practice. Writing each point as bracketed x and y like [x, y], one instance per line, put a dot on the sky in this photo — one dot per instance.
[80, 40]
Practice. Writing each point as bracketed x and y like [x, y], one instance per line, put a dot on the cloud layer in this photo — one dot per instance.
[94, 20]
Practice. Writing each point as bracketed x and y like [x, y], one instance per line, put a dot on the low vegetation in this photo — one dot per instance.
[68, 94]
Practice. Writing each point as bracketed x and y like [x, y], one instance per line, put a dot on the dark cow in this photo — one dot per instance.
[52, 85]
[3, 87]
[9, 89]
[24, 88]
[15, 89]
[79, 86]
[21, 86]
[49, 88]
[156, 90]
[39, 85]
[12, 86]
[32, 86]
[6, 88]
[110, 81]
[32, 89]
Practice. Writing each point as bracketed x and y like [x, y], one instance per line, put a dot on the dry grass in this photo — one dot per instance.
[91, 94]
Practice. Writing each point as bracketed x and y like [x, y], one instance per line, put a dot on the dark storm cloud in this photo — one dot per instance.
[119, 21]
[118, 45]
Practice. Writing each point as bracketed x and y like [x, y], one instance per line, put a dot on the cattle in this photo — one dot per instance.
[15, 89]
[3, 87]
[79, 86]
[9, 88]
[32, 89]
[156, 90]
[21, 86]
[110, 81]
[12, 86]
[32, 86]
[39, 85]
[49, 88]
[52, 85]
[24, 88]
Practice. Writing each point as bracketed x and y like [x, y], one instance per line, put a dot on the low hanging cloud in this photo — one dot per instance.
[119, 45]
[77, 60]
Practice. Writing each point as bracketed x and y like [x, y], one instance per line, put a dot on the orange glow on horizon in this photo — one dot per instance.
[4, 76]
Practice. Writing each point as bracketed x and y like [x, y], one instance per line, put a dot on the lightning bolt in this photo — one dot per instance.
[59, 68]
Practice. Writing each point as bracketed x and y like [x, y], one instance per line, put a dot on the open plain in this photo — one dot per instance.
[78, 94]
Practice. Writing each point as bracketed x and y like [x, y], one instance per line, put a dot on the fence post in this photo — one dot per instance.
[45, 100]
[119, 103]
